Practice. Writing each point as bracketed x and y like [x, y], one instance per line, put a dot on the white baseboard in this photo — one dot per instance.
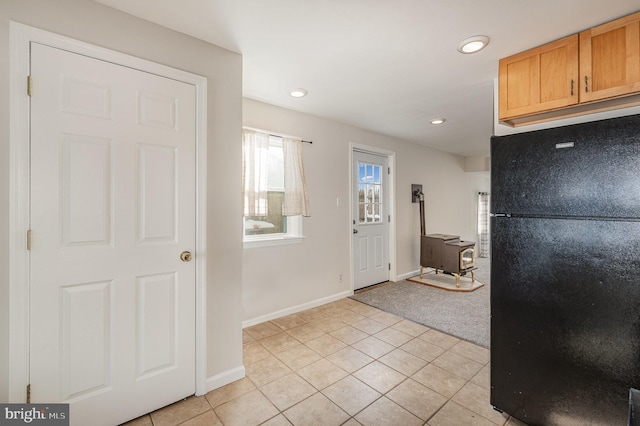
[296, 309]
[225, 378]
[414, 273]
[408, 275]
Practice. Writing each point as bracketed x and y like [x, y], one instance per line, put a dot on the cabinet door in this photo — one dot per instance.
[610, 59]
[540, 79]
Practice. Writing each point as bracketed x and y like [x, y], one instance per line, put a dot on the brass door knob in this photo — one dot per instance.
[185, 256]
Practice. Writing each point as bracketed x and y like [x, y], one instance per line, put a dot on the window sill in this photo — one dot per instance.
[272, 241]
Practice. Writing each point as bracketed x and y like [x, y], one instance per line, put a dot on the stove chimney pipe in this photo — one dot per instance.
[418, 195]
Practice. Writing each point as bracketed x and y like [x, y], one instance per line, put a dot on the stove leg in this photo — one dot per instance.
[473, 277]
[457, 280]
[421, 269]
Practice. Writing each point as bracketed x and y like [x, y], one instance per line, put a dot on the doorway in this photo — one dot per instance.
[371, 217]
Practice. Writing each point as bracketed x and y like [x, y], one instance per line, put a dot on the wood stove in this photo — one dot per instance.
[449, 254]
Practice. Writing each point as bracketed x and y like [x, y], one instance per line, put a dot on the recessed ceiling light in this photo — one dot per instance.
[473, 44]
[438, 121]
[298, 93]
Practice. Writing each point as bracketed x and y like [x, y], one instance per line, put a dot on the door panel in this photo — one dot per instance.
[370, 212]
[156, 331]
[88, 343]
[85, 97]
[87, 206]
[363, 251]
[157, 168]
[610, 59]
[378, 242]
[112, 206]
[540, 79]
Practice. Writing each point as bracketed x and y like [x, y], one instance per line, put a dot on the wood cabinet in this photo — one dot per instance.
[610, 59]
[539, 79]
[596, 70]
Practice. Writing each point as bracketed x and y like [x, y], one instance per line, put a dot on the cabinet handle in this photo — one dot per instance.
[571, 87]
[586, 84]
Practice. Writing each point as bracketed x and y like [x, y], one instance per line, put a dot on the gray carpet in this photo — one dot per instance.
[464, 315]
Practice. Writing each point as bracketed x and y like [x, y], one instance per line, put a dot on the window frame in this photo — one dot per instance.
[367, 184]
[294, 235]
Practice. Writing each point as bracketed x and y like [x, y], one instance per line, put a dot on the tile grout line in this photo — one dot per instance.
[413, 337]
[342, 312]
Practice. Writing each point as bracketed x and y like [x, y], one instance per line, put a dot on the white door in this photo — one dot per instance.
[112, 323]
[371, 219]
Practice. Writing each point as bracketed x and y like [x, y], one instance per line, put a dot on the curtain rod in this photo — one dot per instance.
[282, 137]
[276, 136]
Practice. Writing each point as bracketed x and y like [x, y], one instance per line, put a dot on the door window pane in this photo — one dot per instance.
[370, 206]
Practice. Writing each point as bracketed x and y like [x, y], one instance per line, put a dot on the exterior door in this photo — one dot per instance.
[370, 219]
[112, 322]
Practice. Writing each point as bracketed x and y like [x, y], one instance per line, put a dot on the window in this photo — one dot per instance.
[369, 193]
[273, 221]
[483, 224]
[270, 171]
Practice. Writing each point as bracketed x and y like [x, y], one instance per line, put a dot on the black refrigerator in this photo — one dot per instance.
[565, 273]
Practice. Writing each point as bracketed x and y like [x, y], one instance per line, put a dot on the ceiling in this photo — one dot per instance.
[381, 65]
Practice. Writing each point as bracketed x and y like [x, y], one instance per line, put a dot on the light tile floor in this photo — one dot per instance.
[346, 363]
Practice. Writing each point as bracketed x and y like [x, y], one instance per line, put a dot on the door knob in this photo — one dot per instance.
[355, 231]
[185, 256]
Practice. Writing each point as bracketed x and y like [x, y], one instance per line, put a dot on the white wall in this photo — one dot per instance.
[94, 23]
[275, 279]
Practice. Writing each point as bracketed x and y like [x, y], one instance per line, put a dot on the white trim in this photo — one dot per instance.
[412, 274]
[296, 309]
[20, 38]
[225, 378]
[391, 158]
[201, 236]
[18, 215]
[279, 240]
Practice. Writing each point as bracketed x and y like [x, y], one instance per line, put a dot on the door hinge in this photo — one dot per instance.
[389, 218]
[389, 266]
[29, 85]
[388, 170]
[29, 393]
[29, 239]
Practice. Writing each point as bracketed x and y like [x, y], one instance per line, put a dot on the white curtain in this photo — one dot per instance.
[483, 224]
[296, 199]
[255, 172]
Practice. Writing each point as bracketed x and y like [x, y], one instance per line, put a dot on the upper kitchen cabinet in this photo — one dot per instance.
[596, 70]
[540, 79]
[610, 59]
